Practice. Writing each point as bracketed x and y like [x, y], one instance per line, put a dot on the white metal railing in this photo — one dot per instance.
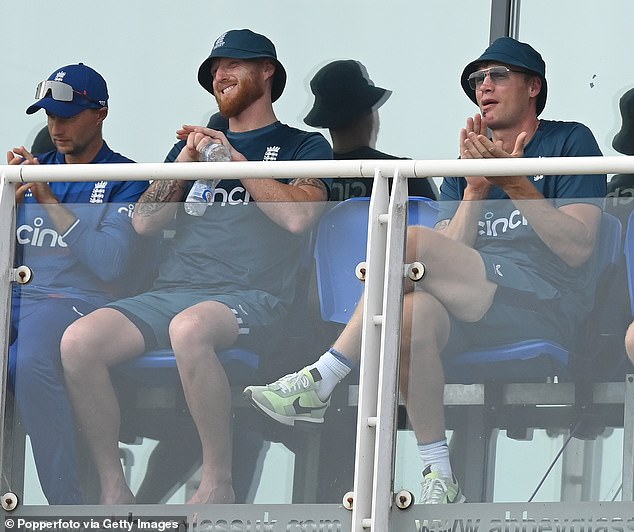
[374, 460]
[353, 168]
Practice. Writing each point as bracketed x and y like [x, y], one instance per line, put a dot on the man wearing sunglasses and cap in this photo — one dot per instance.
[78, 239]
[496, 272]
[228, 278]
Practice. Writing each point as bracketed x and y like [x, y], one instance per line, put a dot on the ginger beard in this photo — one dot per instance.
[240, 97]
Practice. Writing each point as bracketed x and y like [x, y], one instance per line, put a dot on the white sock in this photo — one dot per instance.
[332, 369]
[436, 455]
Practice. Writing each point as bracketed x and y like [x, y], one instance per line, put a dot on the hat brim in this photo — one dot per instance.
[325, 114]
[206, 79]
[57, 108]
[623, 141]
[505, 60]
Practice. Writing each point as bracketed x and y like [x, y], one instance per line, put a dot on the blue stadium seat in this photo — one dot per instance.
[341, 245]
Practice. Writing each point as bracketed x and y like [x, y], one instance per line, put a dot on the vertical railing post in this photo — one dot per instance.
[627, 492]
[7, 232]
[369, 362]
[382, 500]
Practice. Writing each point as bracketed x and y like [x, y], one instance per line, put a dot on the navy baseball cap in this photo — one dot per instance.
[243, 44]
[69, 90]
[511, 52]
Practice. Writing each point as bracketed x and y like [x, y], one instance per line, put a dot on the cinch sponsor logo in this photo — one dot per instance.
[497, 226]
[235, 196]
[39, 236]
[127, 210]
[340, 191]
[620, 196]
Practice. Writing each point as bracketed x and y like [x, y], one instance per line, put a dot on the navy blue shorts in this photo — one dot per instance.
[258, 313]
[526, 306]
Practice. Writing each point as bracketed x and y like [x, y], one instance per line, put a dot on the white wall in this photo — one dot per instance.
[149, 53]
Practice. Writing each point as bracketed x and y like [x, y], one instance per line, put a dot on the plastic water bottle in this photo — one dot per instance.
[202, 192]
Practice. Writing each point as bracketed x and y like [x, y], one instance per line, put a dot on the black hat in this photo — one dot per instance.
[509, 51]
[623, 141]
[243, 44]
[343, 92]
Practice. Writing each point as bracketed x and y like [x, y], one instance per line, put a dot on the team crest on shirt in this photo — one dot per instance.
[538, 177]
[271, 153]
[98, 192]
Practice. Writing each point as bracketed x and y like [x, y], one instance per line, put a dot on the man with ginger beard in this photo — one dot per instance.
[228, 277]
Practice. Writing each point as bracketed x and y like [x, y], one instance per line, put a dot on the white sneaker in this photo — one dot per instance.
[439, 490]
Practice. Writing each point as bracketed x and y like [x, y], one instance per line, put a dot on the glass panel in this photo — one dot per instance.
[140, 65]
[159, 448]
[533, 404]
[152, 80]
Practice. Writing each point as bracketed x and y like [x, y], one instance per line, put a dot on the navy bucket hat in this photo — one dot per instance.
[343, 92]
[243, 44]
[511, 52]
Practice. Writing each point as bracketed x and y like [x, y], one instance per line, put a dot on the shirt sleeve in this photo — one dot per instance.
[315, 148]
[103, 238]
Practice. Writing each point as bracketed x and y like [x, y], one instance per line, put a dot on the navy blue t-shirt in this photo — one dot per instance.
[234, 245]
[503, 231]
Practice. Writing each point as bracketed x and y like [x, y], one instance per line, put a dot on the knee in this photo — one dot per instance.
[75, 347]
[188, 329]
[629, 342]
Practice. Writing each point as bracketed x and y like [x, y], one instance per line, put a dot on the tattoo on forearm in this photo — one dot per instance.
[443, 224]
[157, 195]
[310, 181]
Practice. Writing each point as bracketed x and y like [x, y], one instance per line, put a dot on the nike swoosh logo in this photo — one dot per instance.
[299, 409]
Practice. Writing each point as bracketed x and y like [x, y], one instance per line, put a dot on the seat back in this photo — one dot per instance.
[341, 245]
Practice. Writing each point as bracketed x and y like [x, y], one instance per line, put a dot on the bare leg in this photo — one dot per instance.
[197, 334]
[89, 347]
[455, 276]
[629, 342]
[425, 333]
[349, 341]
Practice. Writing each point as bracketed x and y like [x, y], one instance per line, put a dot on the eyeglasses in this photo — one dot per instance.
[497, 74]
[62, 92]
